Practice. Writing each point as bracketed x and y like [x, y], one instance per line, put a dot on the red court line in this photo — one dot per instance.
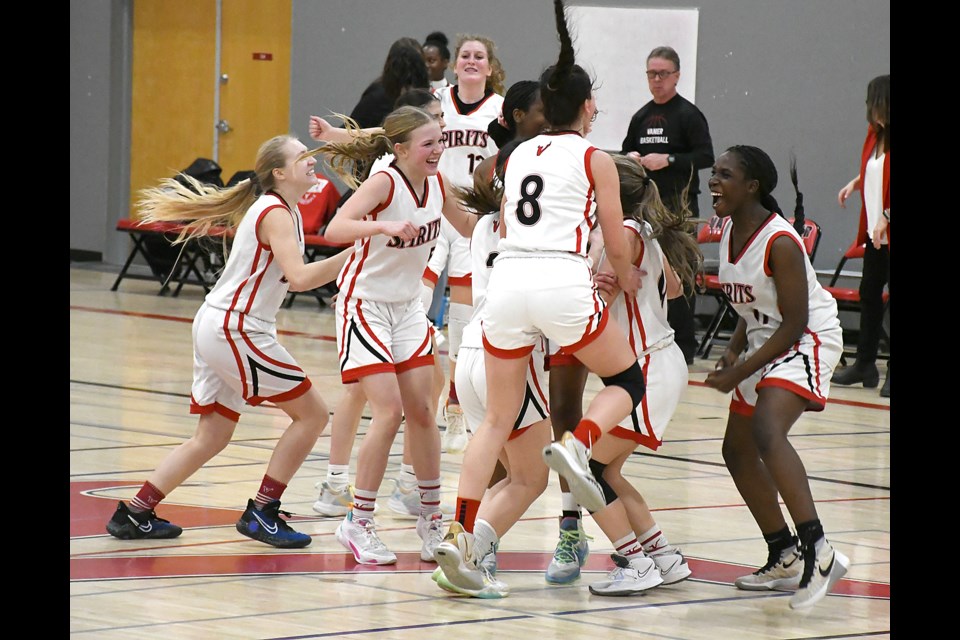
[155, 316]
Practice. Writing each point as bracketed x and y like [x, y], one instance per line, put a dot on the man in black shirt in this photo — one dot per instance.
[670, 137]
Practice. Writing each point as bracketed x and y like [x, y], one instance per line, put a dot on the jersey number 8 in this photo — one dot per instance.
[528, 209]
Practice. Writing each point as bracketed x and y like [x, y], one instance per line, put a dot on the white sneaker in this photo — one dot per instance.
[360, 538]
[672, 565]
[571, 459]
[783, 571]
[431, 532]
[571, 553]
[629, 577]
[455, 437]
[822, 569]
[458, 570]
[332, 502]
[405, 502]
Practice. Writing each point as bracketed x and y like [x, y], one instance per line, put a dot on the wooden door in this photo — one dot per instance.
[255, 99]
[174, 68]
[176, 80]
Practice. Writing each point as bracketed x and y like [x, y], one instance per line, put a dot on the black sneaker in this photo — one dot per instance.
[129, 525]
[266, 525]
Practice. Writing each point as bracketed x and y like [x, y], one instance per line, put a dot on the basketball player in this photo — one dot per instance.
[383, 334]
[335, 497]
[556, 187]
[791, 333]
[663, 246]
[237, 359]
[468, 107]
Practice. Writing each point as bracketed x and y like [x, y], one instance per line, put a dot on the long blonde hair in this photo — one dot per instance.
[202, 206]
[352, 160]
[497, 75]
[672, 229]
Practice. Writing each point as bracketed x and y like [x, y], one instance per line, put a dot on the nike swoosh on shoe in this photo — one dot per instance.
[270, 529]
[826, 572]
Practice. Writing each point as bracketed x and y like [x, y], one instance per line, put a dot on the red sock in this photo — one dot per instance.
[147, 498]
[467, 512]
[587, 432]
[452, 395]
[270, 490]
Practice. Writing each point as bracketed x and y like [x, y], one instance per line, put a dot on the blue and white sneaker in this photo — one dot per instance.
[266, 525]
[129, 525]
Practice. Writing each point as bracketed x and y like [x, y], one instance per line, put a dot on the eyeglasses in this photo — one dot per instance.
[662, 75]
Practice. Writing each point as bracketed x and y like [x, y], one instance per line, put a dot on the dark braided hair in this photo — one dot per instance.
[520, 96]
[799, 217]
[565, 86]
[758, 166]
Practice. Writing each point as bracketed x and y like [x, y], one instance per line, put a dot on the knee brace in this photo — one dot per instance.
[608, 493]
[630, 380]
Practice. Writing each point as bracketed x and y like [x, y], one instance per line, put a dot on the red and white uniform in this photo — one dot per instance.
[644, 322]
[381, 322]
[471, 372]
[747, 283]
[237, 358]
[542, 284]
[465, 139]
[466, 143]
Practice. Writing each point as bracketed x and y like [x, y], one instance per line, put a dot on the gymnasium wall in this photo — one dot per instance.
[784, 76]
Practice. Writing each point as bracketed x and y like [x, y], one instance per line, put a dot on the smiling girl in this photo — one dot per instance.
[383, 334]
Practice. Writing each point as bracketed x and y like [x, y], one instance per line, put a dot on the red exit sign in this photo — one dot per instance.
[262, 56]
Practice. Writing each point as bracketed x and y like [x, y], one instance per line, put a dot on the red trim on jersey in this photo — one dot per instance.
[740, 407]
[456, 108]
[256, 226]
[587, 168]
[257, 282]
[816, 403]
[560, 359]
[266, 358]
[640, 438]
[292, 394]
[536, 384]
[766, 252]
[216, 407]
[431, 276]
[365, 244]
[421, 202]
[816, 357]
[363, 323]
[460, 281]
[506, 354]
[353, 375]
[418, 361]
[734, 260]
[228, 336]
[590, 337]
[443, 190]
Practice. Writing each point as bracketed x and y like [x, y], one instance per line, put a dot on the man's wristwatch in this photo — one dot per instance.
[671, 159]
[886, 214]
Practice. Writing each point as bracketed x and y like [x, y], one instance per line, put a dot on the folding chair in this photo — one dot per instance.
[848, 298]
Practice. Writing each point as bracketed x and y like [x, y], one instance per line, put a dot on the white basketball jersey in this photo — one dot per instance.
[747, 283]
[483, 249]
[465, 139]
[549, 193]
[451, 253]
[389, 269]
[252, 281]
[644, 319]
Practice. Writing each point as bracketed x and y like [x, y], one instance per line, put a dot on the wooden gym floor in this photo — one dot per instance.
[130, 375]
